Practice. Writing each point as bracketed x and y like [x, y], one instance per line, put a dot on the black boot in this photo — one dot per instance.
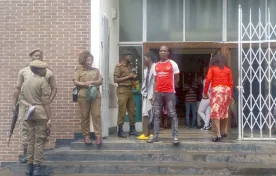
[37, 170]
[30, 169]
[121, 132]
[23, 159]
[132, 130]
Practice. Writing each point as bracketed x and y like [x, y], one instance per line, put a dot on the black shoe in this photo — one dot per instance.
[217, 139]
[23, 159]
[121, 132]
[132, 130]
[223, 135]
[152, 140]
[175, 140]
[37, 170]
[30, 169]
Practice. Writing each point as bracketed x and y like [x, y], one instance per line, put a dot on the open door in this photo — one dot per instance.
[105, 75]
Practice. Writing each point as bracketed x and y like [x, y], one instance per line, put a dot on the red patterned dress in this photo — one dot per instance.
[221, 91]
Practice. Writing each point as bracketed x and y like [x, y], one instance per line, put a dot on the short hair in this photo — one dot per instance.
[83, 57]
[218, 60]
[151, 55]
[35, 70]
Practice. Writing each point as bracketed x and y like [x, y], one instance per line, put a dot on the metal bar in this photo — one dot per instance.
[184, 20]
[250, 68]
[130, 43]
[260, 77]
[224, 20]
[269, 76]
[239, 78]
[144, 20]
[258, 139]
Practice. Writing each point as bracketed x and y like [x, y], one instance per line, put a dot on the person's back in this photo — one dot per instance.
[220, 76]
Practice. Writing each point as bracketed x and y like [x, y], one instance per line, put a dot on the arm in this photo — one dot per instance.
[52, 83]
[45, 100]
[99, 80]
[176, 79]
[230, 81]
[25, 103]
[175, 72]
[77, 80]
[22, 100]
[207, 82]
[118, 80]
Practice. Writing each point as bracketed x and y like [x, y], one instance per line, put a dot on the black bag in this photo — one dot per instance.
[75, 94]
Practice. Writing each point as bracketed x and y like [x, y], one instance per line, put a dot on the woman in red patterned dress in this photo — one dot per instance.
[220, 94]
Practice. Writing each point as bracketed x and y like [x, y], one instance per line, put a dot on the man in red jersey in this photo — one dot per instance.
[166, 77]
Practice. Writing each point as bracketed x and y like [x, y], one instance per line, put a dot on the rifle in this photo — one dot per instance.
[14, 120]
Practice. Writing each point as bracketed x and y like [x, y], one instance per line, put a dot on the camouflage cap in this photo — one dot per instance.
[38, 64]
[33, 51]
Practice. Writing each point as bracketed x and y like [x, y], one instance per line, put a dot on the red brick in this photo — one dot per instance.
[60, 28]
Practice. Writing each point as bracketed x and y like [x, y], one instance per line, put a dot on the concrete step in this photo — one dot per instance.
[144, 168]
[65, 154]
[188, 145]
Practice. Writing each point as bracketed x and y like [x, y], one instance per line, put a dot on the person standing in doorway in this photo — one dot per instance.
[166, 78]
[123, 76]
[87, 77]
[190, 89]
[147, 93]
[204, 110]
[23, 76]
[36, 92]
[220, 93]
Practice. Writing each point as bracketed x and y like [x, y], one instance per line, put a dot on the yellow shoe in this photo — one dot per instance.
[142, 137]
[150, 135]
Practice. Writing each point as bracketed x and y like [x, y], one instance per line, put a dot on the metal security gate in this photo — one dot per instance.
[257, 78]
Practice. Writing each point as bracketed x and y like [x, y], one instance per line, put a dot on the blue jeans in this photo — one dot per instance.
[158, 107]
[190, 106]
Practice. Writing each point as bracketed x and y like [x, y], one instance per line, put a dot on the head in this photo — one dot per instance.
[149, 58]
[164, 53]
[86, 59]
[36, 55]
[218, 60]
[127, 57]
[39, 67]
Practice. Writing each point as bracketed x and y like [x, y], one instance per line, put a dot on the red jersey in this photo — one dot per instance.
[164, 72]
[218, 77]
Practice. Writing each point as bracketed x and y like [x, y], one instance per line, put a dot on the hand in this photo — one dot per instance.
[205, 97]
[232, 101]
[89, 83]
[49, 123]
[131, 76]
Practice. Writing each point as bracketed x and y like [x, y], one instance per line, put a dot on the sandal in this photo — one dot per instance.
[87, 140]
[217, 139]
[99, 140]
[223, 135]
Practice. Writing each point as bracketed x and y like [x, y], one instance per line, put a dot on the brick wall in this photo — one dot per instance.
[62, 29]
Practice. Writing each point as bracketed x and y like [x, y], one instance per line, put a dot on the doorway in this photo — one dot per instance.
[193, 64]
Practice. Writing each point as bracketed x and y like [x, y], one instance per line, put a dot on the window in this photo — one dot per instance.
[131, 20]
[203, 20]
[164, 20]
